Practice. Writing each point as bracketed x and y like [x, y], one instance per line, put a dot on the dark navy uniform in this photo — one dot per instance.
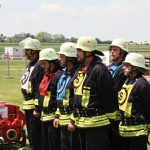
[65, 92]
[118, 80]
[29, 87]
[48, 105]
[135, 113]
[95, 102]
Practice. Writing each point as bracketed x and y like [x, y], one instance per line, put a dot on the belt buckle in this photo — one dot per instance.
[86, 113]
[130, 121]
[65, 111]
[125, 121]
[78, 112]
[97, 114]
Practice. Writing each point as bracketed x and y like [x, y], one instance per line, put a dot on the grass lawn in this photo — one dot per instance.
[56, 46]
[10, 91]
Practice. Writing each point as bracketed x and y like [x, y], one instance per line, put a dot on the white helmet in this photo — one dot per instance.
[120, 43]
[68, 49]
[135, 59]
[48, 54]
[30, 43]
[88, 44]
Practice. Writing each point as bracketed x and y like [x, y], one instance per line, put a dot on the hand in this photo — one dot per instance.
[36, 114]
[56, 123]
[71, 127]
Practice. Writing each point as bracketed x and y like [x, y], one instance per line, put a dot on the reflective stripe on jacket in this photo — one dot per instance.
[65, 94]
[30, 82]
[49, 102]
[94, 90]
[135, 116]
[27, 105]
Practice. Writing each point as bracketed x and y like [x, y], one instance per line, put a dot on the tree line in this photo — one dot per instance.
[43, 37]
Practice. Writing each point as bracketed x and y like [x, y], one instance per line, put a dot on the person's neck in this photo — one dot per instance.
[134, 74]
[33, 57]
[88, 61]
[117, 62]
[69, 66]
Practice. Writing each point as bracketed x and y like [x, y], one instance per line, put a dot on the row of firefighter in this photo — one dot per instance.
[75, 101]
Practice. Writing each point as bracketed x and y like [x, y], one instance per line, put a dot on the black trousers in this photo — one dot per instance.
[94, 138]
[50, 136]
[134, 143]
[33, 129]
[69, 140]
[114, 137]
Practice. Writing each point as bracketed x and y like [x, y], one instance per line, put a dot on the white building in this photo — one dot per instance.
[13, 53]
[106, 57]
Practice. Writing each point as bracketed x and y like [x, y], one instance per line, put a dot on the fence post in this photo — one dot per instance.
[8, 68]
[8, 75]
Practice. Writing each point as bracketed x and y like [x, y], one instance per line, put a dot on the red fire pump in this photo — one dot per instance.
[12, 121]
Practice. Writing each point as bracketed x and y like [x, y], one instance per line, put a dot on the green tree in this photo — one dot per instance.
[19, 37]
[44, 37]
[73, 39]
[98, 41]
[58, 38]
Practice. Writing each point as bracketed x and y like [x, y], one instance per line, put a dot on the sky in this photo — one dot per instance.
[103, 19]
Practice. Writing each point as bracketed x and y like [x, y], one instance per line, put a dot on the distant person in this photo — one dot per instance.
[95, 100]
[118, 51]
[29, 87]
[65, 92]
[47, 99]
[134, 102]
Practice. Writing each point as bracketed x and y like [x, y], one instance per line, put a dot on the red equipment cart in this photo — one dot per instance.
[12, 121]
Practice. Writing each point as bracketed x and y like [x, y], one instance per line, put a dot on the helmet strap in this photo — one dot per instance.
[134, 68]
[32, 53]
[50, 66]
[67, 61]
[88, 56]
[119, 56]
[84, 56]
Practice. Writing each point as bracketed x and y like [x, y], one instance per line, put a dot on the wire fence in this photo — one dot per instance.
[12, 68]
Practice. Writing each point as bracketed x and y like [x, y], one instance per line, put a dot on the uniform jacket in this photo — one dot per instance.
[118, 76]
[30, 81]
[97, 92]
[136, 116]
[47, 103]
[65, 94]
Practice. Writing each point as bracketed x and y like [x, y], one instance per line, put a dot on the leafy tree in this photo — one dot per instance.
[98, 41]
[44, 37]
[73, 39]
[2, 38]
[19, 37]
[58, 38]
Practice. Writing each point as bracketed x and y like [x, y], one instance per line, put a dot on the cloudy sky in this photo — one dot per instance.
[104, 19]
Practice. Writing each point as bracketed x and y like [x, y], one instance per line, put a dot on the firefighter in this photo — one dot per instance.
[29, 87]
[50, 139]
[134, 104]
[95, 100]
[118, 51]
[68, 60]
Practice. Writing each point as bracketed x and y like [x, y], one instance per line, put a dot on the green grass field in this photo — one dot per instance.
[43, 45]
[56, 46]
[10, 75]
